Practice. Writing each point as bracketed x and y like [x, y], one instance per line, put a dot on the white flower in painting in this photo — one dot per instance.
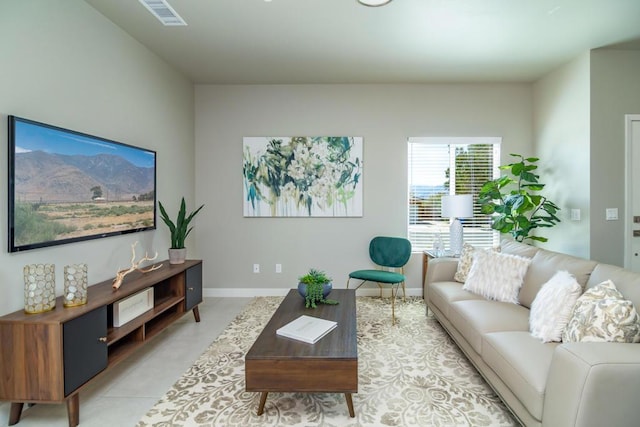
[301, 153]
[320, 152]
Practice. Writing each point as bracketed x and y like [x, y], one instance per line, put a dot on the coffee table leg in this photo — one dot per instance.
[347, 397]
[263, 400]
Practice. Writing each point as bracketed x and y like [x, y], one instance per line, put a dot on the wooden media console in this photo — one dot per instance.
[50, 357]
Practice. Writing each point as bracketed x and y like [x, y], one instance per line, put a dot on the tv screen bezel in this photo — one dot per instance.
[13, 247]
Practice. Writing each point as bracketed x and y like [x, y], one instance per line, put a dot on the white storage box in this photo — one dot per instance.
[131, 307]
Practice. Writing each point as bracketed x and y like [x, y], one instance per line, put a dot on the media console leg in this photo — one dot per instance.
[196, 313]
[73, 410]
[15, 412]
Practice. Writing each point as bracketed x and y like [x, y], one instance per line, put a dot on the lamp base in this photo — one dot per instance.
[455, 236]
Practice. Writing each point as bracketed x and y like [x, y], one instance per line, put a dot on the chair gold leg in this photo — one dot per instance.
[404, 293]
[393, 306]
[348, 282]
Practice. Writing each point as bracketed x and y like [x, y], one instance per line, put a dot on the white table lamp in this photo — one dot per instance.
[455, 207]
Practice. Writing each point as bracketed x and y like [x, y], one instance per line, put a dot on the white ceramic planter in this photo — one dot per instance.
[177, 256]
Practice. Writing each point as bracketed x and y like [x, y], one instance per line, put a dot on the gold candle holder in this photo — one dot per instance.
[39, 287]
[75, 285]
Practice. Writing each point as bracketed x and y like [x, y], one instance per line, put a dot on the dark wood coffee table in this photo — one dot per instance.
[276, 363]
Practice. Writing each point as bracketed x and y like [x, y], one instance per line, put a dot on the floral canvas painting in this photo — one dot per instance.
[310, 176]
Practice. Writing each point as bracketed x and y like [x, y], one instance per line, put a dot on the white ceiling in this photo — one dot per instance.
[406, 41]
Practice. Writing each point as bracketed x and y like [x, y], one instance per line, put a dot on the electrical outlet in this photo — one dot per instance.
[278, 268]
[256, 268]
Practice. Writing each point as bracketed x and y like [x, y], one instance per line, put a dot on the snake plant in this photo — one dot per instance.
[180, 229]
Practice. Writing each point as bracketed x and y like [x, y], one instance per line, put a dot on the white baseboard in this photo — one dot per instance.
[269, 292]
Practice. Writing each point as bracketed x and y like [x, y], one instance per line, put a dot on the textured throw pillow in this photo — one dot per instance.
[602, 314]
[551, 309]
[466, 259]
[496, 276]
[464, 264]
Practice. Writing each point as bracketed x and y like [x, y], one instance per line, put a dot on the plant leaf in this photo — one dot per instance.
[513, 204]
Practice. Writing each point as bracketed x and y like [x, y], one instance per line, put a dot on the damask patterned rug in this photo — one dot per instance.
[410, 374]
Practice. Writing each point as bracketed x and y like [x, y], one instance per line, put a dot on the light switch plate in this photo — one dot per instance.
[612, 214]
[575, 214]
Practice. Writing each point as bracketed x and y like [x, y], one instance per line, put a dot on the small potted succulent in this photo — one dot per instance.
[179, 231]
[314, 287]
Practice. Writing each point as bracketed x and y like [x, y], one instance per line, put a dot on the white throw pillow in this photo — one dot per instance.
[496, 275]
[602, 314]
[466, 259]
[551, 309]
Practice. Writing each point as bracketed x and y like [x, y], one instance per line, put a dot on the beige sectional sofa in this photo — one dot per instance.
[550, 384]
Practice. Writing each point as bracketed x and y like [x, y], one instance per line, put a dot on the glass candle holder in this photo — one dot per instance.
[39, 287]
[75, 285]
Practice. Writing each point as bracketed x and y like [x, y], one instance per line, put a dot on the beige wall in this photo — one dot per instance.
[562, 142]
[579, 114]
[105, 83]
[63, 63]
[385, 115]
[615, 91]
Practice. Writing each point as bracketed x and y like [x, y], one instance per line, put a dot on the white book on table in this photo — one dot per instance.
[307, 328]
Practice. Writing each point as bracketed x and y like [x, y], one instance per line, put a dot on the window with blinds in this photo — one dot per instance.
[441, 166]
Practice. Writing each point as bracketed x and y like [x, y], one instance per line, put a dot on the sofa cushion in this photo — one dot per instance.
[544, 265]
[522, 363]
[551, 309]
[510, 246]
[473, 318]
[442, 294]
[602, 314]
[496, 275]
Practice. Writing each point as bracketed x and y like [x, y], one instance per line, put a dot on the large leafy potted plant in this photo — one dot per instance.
[314, 287]
[514, 204]
[179, 231]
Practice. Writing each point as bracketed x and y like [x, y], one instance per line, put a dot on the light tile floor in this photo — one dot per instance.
[124, 394]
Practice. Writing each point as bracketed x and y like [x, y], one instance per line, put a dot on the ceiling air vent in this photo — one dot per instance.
[163, 11]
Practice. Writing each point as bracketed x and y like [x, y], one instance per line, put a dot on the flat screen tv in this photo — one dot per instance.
[67, 186]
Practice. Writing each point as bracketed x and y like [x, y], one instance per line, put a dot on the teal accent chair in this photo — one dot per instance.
[389, 254]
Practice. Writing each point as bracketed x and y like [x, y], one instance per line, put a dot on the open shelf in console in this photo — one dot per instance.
[129, 337]
[153, 327]
[123, 347]
[115, 334]
[168, 306]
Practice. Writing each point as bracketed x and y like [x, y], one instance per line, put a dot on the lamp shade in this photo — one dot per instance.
[457, 206]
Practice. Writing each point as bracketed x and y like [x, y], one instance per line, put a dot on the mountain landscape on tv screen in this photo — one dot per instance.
[56, 178]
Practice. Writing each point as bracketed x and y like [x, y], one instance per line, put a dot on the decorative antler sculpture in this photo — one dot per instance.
[134, 267]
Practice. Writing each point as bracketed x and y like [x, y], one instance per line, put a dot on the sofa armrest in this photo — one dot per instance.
[440, 270]
[593, 384]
